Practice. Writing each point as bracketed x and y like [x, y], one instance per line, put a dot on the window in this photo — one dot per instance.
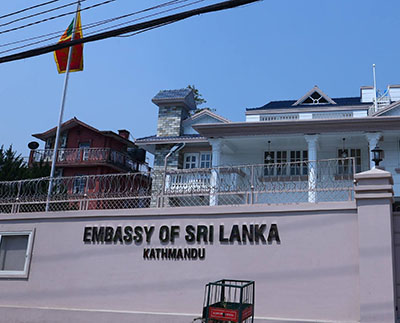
[276, 163]
[281, 160]
[15, 254]
[298, 159]
[269, 160]
[345, 165]
[315, 98]
[49, 143]
[79, 184]
[205, 160]
[191, 161]
[84, 146]
[63, 140]
[197, 160]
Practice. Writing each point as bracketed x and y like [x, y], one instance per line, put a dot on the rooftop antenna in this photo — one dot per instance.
[375, 99]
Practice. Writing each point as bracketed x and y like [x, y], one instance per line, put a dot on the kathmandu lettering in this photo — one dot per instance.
[174, 253]
[253, 234]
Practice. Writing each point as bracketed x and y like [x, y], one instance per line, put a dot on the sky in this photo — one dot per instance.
[239, 58]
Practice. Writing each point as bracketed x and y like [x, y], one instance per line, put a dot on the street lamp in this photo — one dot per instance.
[377, 155]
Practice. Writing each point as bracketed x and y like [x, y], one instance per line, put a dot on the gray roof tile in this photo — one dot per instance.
[156, 138]
[185, 96]
[172, 94]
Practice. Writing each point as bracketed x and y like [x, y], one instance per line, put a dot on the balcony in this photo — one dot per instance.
[89, 157]
[283, 183]
[280, 183]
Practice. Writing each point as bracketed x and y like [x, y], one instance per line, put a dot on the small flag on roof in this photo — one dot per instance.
[61, 55]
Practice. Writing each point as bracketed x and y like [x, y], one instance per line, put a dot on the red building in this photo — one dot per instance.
[85, 150]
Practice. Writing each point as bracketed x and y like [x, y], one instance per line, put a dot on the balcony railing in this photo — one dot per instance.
[87, 156]
[283, 183]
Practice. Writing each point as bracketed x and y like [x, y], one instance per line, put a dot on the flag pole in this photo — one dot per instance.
[375, 98]
[60, 118]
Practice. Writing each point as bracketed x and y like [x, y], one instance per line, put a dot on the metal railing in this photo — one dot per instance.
[333, 115]
[279, 183]
[292, 182]
[74, 156]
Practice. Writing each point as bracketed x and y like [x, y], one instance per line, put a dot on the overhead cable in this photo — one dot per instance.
[26, 9]
[55, 17]
[40, 13]
[128, 29]
[95, 24]
[148, 16]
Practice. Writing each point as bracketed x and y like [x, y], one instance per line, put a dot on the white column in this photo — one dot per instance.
[373, 139]
[312, 141]
[216, 161]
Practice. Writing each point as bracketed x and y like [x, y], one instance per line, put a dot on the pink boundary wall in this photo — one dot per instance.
[334, 263]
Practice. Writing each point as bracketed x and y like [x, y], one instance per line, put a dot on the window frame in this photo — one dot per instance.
[283, 165]
[77, 187]
[196, 162]
[344, 167]
[84, 147]
[28, 254]
[205, 153]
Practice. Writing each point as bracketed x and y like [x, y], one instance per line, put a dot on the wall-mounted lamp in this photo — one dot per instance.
[344, 152]
[377, 155]
[268, 157]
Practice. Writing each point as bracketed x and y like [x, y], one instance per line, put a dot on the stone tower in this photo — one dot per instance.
[174, 107]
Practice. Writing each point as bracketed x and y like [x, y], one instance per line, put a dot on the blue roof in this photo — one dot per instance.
[287, 104]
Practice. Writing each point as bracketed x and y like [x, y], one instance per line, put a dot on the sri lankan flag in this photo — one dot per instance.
[61, 55]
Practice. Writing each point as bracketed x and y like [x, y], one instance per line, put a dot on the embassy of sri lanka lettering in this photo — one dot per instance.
[238, 234]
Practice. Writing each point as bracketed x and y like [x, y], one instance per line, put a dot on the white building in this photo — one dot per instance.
[279, 137]
[274, 200]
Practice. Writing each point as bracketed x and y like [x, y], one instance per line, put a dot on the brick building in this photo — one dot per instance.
[85, 150]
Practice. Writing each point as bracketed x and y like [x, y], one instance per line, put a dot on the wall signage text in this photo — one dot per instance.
[253, 234]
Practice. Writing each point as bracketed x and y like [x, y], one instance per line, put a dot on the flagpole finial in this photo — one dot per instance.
[373, 65]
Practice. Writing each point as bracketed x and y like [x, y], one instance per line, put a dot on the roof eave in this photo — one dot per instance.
[161, 141]
[386, 109]
[71, 123]
[206, 112]
[308, 109]
[366, 124]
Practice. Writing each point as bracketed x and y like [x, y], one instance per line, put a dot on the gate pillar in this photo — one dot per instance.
[374, 195]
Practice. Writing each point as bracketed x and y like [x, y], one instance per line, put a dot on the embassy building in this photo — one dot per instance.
[301, 198]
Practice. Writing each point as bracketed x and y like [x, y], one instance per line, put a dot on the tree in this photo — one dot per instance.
[13, 167]
[198, 98]
[38, 170]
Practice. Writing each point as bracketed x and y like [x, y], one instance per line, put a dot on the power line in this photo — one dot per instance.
[54, 17]
[39, 13]
[95, 24]
[29, 8]
[124, 30]
[148, 16]
[152, 15]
